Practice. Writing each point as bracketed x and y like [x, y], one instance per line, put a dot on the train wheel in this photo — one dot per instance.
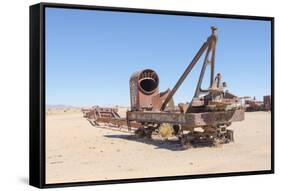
[186, 141]
[230, 135]
[140, 132]
[177, 129]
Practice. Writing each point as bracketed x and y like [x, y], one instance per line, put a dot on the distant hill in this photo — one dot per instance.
[60, 106]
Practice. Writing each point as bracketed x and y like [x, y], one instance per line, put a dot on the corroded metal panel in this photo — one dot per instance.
[190, 119]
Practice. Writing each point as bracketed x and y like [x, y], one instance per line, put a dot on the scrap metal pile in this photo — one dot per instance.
[205, 119]
[254, 105]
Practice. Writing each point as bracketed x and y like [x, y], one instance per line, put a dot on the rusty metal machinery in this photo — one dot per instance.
[255, 105]
[98, 114]
[204, 120]
[144, 92]
[267, 102]
[143, 86]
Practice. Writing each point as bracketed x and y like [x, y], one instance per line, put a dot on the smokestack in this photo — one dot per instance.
[143, 86]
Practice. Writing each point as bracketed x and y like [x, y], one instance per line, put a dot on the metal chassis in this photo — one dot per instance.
[187, 119]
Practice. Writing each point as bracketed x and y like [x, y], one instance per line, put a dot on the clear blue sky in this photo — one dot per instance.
[90, 55]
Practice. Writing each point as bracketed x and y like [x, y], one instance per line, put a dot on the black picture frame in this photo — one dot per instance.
[37, 94]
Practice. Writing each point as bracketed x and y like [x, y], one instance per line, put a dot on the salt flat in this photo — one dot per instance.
[76, 151]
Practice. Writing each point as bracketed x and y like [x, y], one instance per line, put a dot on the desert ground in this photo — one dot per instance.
[77, 151]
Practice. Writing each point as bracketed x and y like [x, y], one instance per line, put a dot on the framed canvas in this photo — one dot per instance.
[121, 95]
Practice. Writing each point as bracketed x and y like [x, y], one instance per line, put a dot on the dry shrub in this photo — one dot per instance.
[166, 130]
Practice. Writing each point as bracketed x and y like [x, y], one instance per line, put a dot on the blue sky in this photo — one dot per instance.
[90, 55]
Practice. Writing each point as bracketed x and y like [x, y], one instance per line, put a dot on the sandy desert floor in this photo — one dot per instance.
[76, 151]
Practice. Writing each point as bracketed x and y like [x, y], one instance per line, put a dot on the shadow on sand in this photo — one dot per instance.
[170, 144]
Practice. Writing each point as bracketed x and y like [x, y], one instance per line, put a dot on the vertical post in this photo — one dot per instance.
[214, 35]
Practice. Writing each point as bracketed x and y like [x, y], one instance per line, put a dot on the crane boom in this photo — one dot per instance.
[210, 46]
